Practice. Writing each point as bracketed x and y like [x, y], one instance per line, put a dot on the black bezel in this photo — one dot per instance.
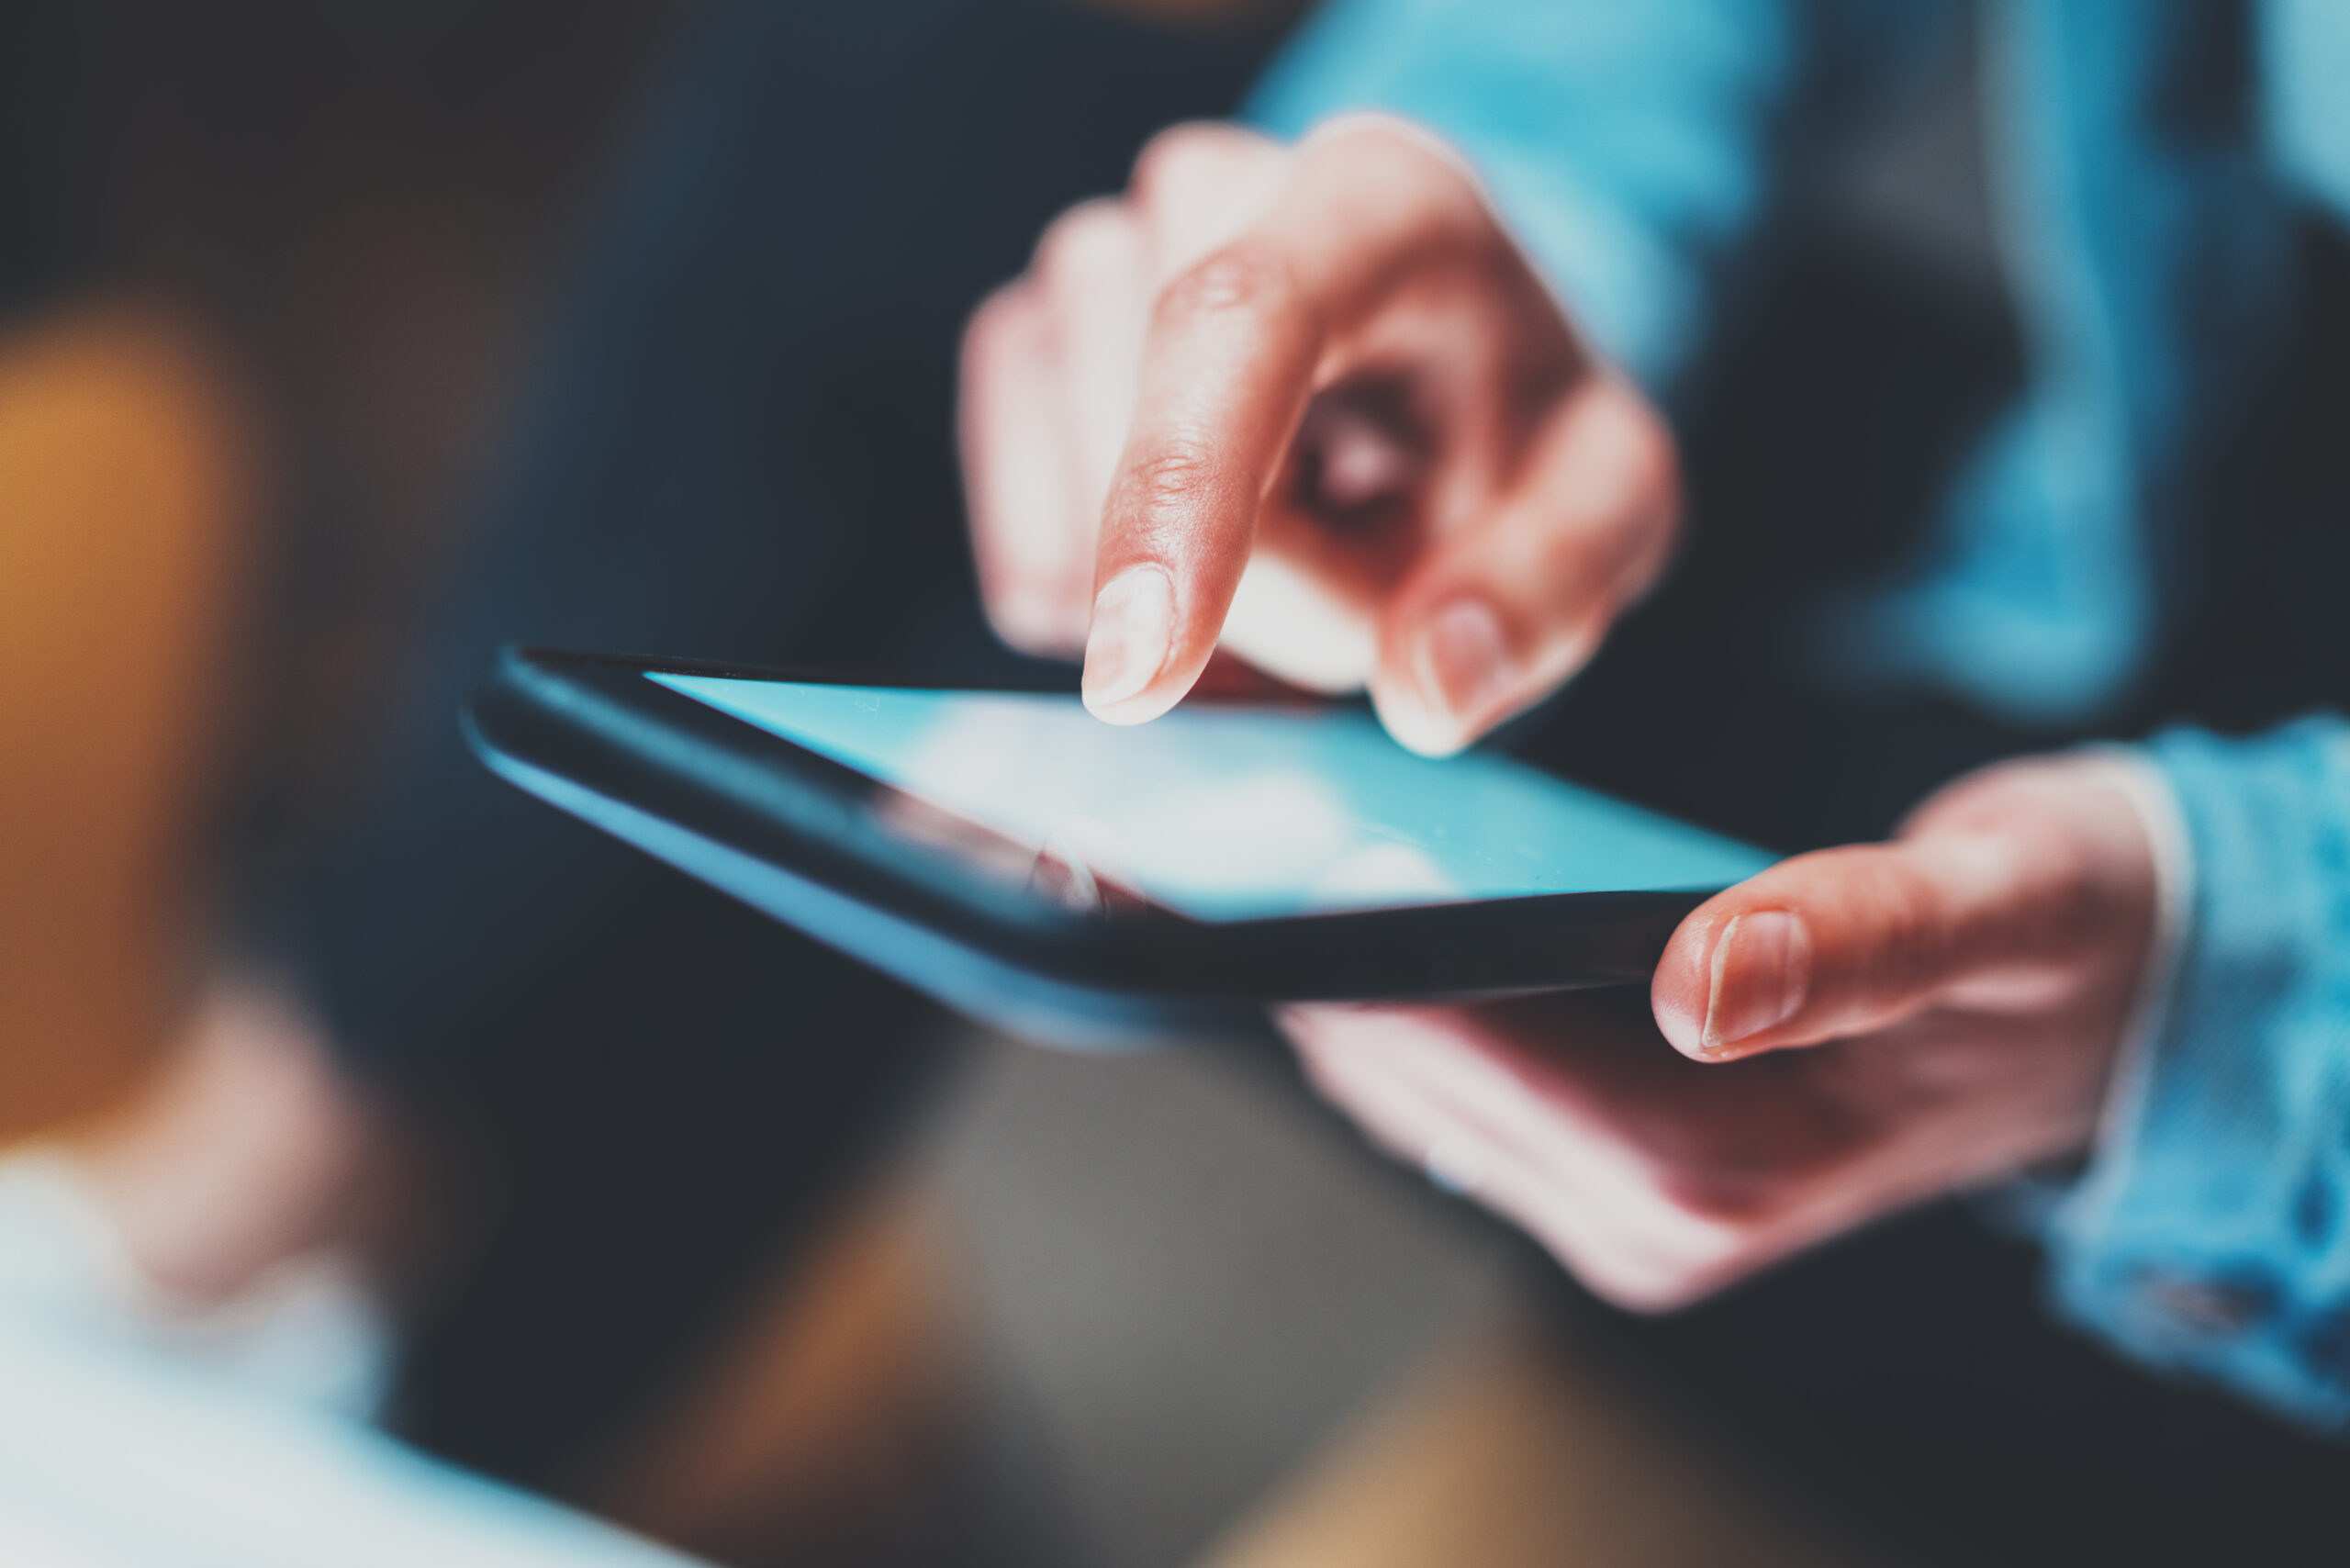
[594, 719]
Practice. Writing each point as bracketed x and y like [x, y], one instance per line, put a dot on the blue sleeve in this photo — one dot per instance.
[1628, 145]
[2209, 1234]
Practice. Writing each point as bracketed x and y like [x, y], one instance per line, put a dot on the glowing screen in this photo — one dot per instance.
[1238, 812]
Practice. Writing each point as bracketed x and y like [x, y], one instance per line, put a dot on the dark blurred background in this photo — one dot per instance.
[340, 339]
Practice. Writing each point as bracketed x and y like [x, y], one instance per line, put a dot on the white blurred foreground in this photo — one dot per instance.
[124, 1449]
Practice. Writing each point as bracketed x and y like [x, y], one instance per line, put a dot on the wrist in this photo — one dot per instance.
[2170, 856]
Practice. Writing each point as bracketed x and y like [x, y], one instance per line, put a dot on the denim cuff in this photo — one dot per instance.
[2206, 1237]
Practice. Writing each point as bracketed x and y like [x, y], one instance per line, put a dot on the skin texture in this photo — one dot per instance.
[1310, 402]
[1310, 406]
[1949, 1012]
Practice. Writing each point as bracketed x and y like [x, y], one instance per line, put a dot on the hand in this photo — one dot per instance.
[1313, 401]
[1858, 1029]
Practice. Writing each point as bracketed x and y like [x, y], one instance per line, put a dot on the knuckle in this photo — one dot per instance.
[1163, 486]
[1088, 240]
[1240, 279]
[1649, 1285]
[2059, 866]
[1896, 929]
[1701, 1258]
[1377, 152]
[1371, 145]
[1179, 154]
[1672, 1245]
[1651, 457]
[991, 323]
[1914, 932]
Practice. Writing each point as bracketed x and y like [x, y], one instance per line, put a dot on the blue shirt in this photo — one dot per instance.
[2145, 228]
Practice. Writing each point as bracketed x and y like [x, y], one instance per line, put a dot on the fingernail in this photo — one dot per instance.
[1465, 661]
[1133, 629]
[1762, 974]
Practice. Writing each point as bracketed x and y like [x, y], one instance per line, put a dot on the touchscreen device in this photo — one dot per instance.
[1021, 859]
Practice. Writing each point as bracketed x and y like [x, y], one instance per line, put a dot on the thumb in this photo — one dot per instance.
[1844, 941]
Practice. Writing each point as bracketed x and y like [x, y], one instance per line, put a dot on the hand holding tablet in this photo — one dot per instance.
[1893, 1020]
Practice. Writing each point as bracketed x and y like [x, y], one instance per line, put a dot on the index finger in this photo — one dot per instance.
[1236, 347]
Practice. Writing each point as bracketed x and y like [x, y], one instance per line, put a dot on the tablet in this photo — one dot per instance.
[1094, 884]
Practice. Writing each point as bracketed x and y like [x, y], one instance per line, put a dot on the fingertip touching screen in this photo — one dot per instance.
[1228, 814]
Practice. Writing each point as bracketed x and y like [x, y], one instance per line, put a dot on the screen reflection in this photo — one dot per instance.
[1233, 812]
